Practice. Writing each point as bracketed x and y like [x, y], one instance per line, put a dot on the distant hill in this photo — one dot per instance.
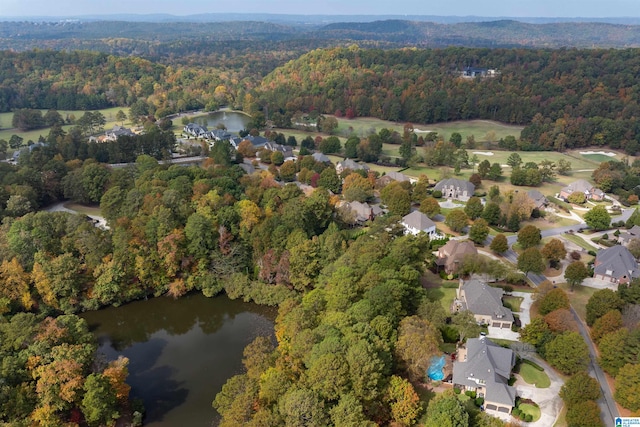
[154, 39]
[317, 20]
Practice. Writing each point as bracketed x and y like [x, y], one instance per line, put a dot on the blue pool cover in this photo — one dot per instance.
[435, 370]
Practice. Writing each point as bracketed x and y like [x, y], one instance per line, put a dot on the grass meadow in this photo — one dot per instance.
[7, 130]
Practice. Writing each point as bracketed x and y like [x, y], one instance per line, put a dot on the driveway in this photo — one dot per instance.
[548, 399]
[525, 319]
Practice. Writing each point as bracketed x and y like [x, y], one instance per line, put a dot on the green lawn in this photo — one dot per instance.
[513, 303]
[599, 158]
[6, 128]
[364, 126]
[579, 241]
[444, 295]
[579, 297]
[533, 376]
[529, 409]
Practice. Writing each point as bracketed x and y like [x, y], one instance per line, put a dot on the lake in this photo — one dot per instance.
[235, 122]
[180, 352]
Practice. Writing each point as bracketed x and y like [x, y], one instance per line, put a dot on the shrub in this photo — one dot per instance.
[605, 236]
[592, 253]
[575, 255]
[533, 364]
[528, 418]
[456, 390]
[507, 289]
[437, 194]
[516, 413]
[471, 394]
[479, 401]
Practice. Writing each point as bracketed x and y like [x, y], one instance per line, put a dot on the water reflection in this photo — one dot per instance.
[234, 122]
[181, 352]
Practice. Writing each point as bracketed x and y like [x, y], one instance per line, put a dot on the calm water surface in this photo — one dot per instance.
[180, 352]
[235, 122]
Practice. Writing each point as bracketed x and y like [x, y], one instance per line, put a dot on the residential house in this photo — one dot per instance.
[219, 135]
[616, 265]
[539, 200]
[389, 177]
[416, 222]
[363, 211]
[351, 165]
[257, 141]
[485, 367]
[116, 132]
[320, 157]
[582, 186]
[286, 150]
[453, 188]
[472, 72]
[485, 302]
[196, 130]
[450, 256]
[626, 237]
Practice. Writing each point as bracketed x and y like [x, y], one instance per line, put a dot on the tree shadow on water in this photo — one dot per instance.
[155, 385]
[159, 392]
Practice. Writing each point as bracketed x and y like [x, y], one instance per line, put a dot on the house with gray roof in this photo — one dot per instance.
[416, 222]
[582, 186]
[195, 129]
[485, 367]
[116, 132]
[453, 188]
[632, 233]
[616, 265]
[286, 150]
[450, 255]
[485, 302]
[351, 165]
[320, 157]
[539, 200]
[363, 212]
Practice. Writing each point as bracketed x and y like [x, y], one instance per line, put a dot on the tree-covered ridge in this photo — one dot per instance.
[82, 80]
[570, 98]
[153, 38]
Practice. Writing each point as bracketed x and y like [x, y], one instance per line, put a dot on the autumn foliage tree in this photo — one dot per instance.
[499, 244]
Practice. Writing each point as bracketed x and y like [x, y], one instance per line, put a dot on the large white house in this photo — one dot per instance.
[416, 222]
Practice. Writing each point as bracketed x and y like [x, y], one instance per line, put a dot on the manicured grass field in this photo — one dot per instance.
[579, 297]
[533, 376]
[364, 126]
[512, 303]
[599, 158]
[529, 409]
[579, 241]
[444, 295]
[6, 128]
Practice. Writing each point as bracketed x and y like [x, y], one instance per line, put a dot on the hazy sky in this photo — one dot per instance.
[516, 8]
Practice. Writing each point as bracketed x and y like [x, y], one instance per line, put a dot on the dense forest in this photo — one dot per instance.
[156, 39]
[567, 98]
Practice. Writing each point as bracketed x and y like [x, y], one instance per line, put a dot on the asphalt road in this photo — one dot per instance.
[608, 409]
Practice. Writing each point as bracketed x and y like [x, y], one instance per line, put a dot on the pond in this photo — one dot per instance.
[180, 352]
[234, 121]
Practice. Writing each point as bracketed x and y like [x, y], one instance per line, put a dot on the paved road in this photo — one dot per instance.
[608, 409]
[512, 257]
[176, 161]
